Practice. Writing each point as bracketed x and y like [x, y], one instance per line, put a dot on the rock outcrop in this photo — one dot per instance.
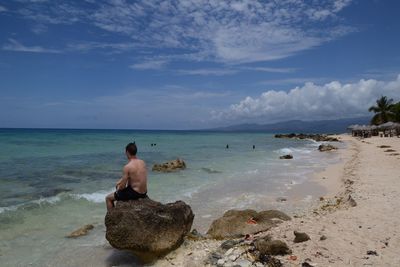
[327, 147]
[148, 228]
[286, 157]
[316, 137]
[170, 166]
[238, 223]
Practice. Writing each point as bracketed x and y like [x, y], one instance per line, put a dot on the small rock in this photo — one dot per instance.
[228, 244]
[270, 261]
[351, 201]
[372, 252]
[327, 147]
[229, 252]
[300, 237]
[243, 263]
[220, 262]
[195, 235]
[286, 157]
[322, 238]
[306, 264]
[272, 247]
[81, 231]
[281, 199]
[233, 257]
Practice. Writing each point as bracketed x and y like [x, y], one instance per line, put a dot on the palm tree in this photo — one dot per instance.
[396, 112]
[383, 110]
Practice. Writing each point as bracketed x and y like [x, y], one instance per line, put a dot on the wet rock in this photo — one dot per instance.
[238, 223]
[286, 157]
[170, 166]
[327, 147]
[300, 237]
[271, 247]
[148, 228]
[81, 231]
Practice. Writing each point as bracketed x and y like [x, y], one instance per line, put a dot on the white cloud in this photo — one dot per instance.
[223, 31]
[311, 101]
[16, 46]
[272, 70]
[208, 72]
[149, 65]
[3, 9]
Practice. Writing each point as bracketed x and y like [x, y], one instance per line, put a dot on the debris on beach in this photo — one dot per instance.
[170, 166]
[81, 231]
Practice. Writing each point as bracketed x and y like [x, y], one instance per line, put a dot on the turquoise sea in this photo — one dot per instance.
[54, 181]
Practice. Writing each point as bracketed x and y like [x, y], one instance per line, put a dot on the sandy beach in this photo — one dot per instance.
[355, 223]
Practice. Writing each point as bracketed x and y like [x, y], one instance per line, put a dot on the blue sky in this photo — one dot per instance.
[194, 64]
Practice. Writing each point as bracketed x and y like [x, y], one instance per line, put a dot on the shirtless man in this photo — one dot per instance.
[133, 184]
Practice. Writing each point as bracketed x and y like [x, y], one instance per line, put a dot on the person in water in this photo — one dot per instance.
[133, 184]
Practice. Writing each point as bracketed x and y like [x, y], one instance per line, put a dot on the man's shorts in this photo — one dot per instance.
[128, 194]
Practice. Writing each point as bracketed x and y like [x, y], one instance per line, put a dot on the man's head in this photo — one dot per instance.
[131, 149]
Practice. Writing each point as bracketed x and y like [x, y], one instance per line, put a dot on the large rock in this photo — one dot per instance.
[237, 223]
[327, 147]
[148, 228]
[170, 166]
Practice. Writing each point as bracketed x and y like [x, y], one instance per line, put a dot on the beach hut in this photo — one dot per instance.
[390, 129]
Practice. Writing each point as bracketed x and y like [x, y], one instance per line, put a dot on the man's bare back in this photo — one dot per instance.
[136, 173]
[133, 183]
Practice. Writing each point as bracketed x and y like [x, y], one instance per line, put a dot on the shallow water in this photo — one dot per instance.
[54, 181]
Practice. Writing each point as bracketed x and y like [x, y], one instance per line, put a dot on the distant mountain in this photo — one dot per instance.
[297, 126]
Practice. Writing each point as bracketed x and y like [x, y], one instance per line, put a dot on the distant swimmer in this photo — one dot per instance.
[227, 146]
[254, 147]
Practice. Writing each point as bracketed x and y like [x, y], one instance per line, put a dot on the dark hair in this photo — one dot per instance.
[131, 149]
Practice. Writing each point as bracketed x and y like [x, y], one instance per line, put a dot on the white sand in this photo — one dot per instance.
[373, 181]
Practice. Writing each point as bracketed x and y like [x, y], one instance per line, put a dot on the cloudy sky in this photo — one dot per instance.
[189, 64]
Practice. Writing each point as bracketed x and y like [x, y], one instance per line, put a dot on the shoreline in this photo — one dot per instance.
[355, 223]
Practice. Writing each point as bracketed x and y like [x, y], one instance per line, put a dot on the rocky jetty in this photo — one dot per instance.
[316, 137]
[327, 147]
[238, 223]
[170, 166]
[286, 156]
[148, 228]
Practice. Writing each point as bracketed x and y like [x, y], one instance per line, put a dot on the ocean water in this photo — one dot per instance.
[55, 181]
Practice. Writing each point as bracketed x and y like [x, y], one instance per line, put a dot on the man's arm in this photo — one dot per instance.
[121, 184]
